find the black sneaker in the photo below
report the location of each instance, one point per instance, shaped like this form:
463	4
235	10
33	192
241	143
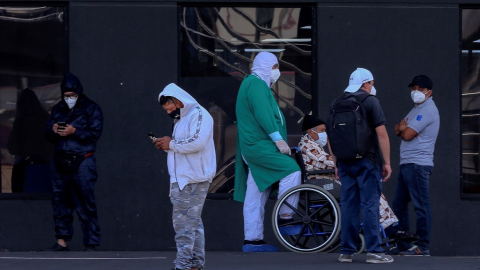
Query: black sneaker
392	251
89	248
415	251
57	247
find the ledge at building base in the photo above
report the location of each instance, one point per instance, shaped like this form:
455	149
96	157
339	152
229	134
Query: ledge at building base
217	261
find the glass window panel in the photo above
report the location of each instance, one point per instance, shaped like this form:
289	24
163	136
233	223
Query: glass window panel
33	57
218	45
470	101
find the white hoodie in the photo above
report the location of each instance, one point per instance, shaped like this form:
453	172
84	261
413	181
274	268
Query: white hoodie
191	158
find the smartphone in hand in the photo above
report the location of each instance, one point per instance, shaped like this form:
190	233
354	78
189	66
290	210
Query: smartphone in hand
151	136
61	125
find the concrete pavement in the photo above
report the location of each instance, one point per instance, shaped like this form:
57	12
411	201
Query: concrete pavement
151	260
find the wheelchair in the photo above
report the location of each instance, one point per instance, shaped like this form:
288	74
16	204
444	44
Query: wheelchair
315	224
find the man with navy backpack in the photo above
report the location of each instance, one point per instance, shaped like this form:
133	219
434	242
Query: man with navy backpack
359	145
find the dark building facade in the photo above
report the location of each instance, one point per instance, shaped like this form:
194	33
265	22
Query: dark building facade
125	52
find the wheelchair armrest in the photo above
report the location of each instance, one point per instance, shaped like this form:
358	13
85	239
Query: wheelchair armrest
320	172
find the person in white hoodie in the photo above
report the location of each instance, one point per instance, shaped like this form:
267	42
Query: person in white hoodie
192	166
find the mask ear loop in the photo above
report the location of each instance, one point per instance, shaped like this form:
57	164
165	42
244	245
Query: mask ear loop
424	94
173	101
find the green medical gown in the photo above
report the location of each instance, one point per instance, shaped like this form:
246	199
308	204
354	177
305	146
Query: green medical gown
258	115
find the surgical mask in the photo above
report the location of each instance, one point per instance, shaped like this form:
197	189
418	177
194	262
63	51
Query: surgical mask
417	96
274	75
374	91
175	114
71	101
322	138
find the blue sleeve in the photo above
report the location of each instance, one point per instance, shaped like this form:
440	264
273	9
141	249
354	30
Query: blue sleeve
94	128
275	136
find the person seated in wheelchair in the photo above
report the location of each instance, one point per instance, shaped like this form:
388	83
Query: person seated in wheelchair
315	158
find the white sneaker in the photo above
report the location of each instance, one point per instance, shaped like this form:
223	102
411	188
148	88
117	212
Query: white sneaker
345	258
379	258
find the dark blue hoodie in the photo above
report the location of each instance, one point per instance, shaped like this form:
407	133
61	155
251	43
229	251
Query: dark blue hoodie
86	117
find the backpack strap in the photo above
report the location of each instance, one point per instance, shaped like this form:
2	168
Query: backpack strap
341	97
360	98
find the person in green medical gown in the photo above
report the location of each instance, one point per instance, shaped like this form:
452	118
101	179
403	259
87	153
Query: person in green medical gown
262	152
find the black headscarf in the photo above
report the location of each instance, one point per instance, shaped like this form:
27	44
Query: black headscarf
310	121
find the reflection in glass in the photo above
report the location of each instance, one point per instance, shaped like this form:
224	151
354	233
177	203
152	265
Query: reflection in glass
28	144
31	70
218	45
470	101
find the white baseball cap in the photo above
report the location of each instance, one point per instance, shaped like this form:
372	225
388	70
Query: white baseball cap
359	77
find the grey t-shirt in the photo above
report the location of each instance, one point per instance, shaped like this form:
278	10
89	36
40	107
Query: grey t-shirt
425	120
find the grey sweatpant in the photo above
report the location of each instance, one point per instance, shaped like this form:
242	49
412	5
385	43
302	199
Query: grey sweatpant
187	223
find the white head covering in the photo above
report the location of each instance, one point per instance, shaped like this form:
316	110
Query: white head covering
173	90
359	77
262	65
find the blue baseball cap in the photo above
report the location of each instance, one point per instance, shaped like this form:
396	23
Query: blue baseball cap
422	81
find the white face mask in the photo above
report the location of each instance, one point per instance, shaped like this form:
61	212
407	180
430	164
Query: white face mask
274	75
322	138
417	96
71	101
373	91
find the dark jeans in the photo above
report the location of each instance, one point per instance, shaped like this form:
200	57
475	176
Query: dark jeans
76	191
412	186
361	189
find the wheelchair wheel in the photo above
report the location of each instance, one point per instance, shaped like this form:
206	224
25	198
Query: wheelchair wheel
334	246
315	224
361	244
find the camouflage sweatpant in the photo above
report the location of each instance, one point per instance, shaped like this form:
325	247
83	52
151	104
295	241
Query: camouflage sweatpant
187	223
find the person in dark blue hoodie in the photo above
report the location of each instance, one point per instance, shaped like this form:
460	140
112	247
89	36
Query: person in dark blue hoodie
74	127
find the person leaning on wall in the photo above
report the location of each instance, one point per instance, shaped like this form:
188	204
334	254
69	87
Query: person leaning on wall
74	127
418	130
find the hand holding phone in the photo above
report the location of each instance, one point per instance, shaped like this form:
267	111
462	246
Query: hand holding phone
61	125
151	136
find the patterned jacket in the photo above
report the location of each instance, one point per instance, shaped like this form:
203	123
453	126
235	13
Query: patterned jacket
315	158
